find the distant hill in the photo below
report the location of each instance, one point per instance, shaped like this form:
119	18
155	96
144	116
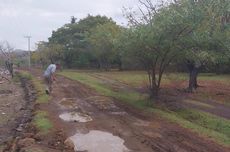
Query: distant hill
21	53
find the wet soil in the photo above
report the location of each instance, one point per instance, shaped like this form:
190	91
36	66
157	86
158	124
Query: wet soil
141	132
16	106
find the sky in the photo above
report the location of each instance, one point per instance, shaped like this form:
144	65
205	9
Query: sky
38	18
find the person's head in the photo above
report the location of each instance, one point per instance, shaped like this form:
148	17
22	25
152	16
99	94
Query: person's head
58	66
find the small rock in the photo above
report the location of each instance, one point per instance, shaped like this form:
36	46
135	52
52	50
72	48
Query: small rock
26	142
69	144
20	128
28	135
39	136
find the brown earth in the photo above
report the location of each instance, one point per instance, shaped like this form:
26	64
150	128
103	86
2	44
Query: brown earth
142	132
212	97
16	106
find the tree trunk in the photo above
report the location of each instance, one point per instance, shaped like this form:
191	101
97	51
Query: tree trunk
120	66
154	87
154	92
193	73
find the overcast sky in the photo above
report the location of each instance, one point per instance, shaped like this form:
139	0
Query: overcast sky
39	18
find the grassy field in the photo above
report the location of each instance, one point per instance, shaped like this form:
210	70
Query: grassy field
138	78
200	122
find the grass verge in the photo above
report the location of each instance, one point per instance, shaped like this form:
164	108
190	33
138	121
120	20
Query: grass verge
40	120
216	128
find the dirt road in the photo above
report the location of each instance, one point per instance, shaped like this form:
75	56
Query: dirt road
82	113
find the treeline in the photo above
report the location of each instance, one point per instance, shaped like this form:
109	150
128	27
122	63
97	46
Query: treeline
183	35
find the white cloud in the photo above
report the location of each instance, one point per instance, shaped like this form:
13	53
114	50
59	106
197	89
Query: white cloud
39	17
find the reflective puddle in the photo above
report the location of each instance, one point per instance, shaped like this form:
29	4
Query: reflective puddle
75	117
119	113
98	141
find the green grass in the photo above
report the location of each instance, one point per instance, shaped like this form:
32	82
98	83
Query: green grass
194	102
136	99
25	74
138	78
205	124
214	77
206	120
201	130
42	97
41	122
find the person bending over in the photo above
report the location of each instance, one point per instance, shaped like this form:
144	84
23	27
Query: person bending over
49	77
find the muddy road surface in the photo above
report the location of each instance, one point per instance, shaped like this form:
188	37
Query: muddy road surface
96	123
16	106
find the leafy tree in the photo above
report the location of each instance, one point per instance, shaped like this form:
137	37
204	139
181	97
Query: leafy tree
73	38
47	53
209	39
73	20
154	38
102	39
184	29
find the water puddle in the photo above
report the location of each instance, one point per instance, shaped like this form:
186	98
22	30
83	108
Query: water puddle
119	113
75	117
98	141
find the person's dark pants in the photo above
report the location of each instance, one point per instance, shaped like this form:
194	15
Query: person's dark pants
48	82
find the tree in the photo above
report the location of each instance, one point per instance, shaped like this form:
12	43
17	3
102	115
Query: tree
209	40
73	20
154	38
47	53
73	38
102	39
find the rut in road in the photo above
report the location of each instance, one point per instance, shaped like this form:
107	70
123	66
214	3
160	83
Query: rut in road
139	132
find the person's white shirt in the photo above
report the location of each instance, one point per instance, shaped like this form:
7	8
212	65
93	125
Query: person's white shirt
50	70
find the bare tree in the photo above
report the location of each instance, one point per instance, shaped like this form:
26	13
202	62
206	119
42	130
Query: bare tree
7	56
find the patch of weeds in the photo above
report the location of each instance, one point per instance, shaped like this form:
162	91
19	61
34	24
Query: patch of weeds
41	122
26	75
16	78
42	97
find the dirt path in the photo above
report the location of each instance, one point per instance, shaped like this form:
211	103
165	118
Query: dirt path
14	108
139	133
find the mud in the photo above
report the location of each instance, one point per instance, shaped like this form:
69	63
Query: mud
138	131
75	117
16	106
